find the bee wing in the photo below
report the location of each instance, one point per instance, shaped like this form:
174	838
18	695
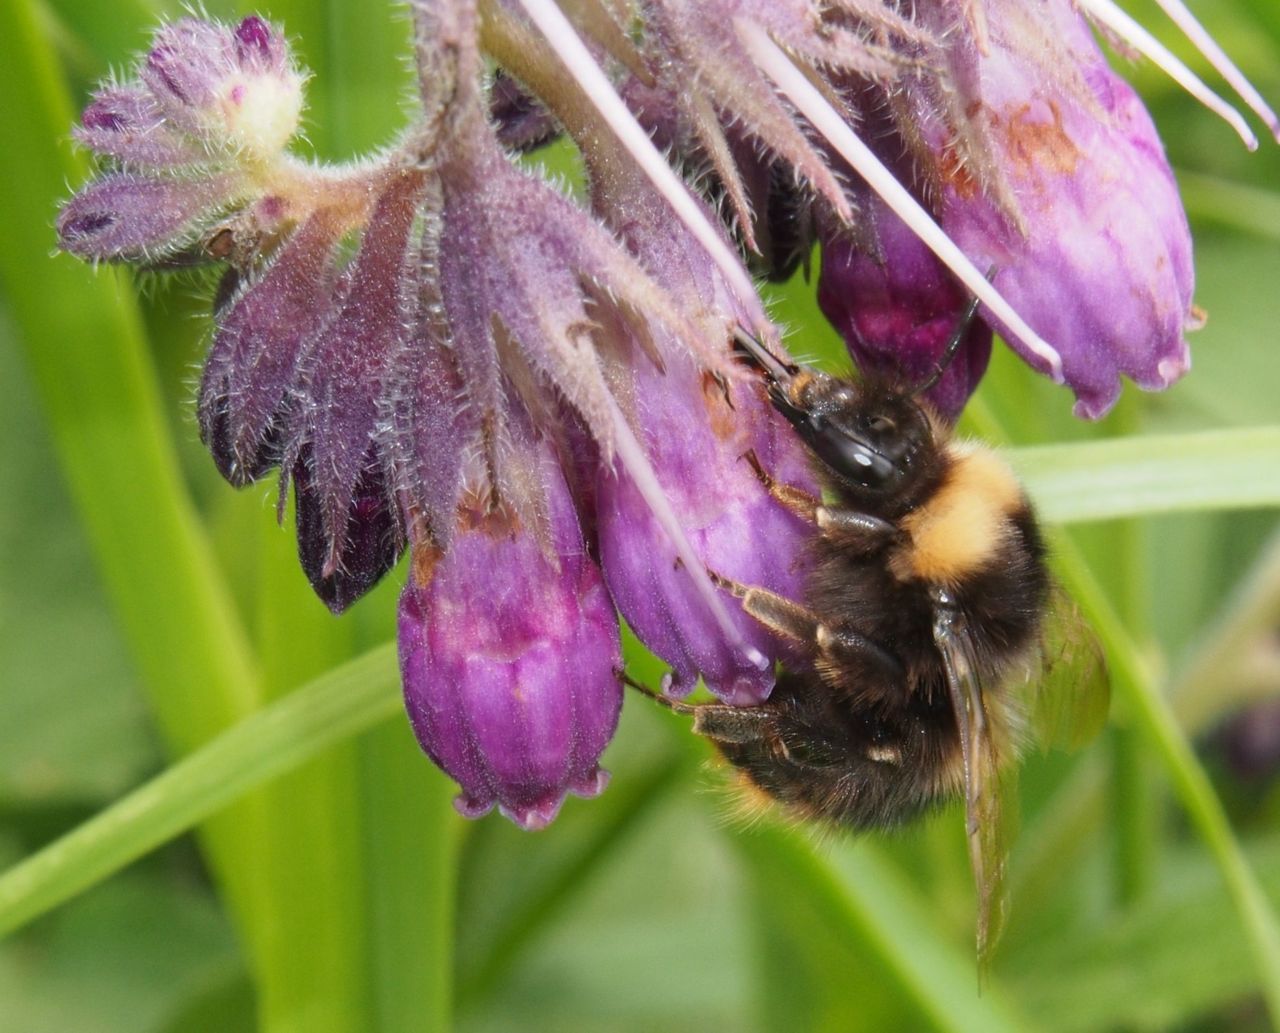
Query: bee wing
1071	695
986	786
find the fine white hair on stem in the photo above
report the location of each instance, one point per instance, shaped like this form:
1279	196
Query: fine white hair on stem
775	63
634	461
1181	16
1109	15
568	45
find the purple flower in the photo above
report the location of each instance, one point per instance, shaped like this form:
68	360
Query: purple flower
510	656
897	307
701	434
698	435
1046	167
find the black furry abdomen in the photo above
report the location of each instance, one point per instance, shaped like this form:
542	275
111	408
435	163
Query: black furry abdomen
863	743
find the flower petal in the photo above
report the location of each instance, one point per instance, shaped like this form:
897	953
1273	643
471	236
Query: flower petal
131	218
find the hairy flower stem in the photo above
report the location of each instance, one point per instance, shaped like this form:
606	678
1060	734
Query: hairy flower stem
565	41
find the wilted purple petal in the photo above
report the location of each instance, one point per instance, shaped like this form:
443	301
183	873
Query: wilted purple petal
125	123
347	367
253	363
509	659
131	218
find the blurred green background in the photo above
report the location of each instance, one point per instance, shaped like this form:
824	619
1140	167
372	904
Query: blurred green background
145	606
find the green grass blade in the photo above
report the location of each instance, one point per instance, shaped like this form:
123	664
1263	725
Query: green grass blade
87	354
1156	473
545	895
866	901
276	739
1152	714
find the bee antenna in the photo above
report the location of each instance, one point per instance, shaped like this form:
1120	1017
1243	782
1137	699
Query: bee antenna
953	345
754	351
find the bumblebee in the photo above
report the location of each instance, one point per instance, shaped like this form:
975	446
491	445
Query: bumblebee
923	625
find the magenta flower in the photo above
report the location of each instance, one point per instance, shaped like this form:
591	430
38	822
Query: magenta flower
510	657
897	307
1043	166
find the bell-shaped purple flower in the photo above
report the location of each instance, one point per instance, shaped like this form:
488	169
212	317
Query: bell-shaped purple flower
1047	168
701	436
510	655
897	307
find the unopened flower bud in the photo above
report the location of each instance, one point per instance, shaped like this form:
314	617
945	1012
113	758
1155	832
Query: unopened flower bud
126	217
230	88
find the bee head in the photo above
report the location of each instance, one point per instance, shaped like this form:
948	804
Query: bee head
874	441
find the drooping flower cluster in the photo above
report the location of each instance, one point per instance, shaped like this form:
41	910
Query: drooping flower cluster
439	350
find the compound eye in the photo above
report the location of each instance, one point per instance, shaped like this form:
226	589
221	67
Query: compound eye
852	459
882	424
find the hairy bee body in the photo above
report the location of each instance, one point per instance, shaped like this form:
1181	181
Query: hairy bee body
920	633
865	735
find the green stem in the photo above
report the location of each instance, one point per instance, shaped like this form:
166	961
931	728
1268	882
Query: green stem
276	739
89	361
1135	800
1152	714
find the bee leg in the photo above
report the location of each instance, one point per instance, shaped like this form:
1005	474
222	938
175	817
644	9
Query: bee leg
715	721
850	522
801	503
844	646
721	723
777	613
660	698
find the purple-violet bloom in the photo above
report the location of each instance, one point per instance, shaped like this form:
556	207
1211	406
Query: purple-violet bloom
510	656
1044	168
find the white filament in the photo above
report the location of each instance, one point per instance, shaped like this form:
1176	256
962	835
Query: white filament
568	45
637	465
1208	46
1129	30
770	58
